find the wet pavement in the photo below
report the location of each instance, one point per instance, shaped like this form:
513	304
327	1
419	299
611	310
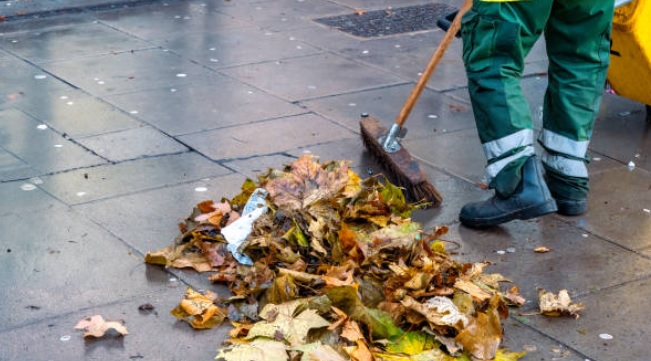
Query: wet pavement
115	122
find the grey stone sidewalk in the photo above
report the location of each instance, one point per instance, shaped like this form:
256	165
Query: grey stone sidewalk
115	123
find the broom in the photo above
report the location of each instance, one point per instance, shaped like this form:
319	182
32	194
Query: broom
399	165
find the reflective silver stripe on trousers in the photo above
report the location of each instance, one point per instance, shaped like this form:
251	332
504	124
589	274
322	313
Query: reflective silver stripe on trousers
494	168
498	147
566	166
562	144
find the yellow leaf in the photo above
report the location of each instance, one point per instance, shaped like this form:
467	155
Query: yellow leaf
412	343
509	356
354	185
541	249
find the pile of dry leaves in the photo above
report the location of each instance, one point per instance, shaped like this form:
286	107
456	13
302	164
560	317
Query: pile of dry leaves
338	272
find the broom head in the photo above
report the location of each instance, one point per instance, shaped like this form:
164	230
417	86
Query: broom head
400	167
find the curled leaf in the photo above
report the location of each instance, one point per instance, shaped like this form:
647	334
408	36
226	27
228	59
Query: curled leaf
199	310
558	305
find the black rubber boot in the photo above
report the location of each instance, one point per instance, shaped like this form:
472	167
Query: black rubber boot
531	199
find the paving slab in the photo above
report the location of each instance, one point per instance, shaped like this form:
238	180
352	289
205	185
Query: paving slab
614	312
351	149
385	4
70	41
170	19
253	167
622	132
232	47
156	335
280	15
407	54
36	9
311	76
41	273
519	336
91	184
24	197
616	207
132	143
27	84
199	107
257	101
432	114
79	115
265	138
41	147
130	71
12	167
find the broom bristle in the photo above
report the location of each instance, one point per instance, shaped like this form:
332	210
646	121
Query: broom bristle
400	167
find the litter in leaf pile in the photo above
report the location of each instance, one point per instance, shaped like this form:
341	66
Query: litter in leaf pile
339	272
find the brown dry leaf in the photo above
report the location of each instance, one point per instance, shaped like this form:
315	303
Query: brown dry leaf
192	260
351	331
206	206
199	310
558	305
239	329
307	182
472	289
179	257
96	326
214	252
514	296
280	321
541	249
360	12
359	352
483	335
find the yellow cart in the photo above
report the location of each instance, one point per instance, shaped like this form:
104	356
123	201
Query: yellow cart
630	62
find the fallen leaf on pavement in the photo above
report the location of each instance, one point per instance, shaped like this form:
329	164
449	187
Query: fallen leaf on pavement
558	305
96	326
541	249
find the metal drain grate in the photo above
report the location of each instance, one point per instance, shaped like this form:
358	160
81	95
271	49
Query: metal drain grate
390	21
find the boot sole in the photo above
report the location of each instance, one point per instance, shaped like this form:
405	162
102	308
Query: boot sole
522	214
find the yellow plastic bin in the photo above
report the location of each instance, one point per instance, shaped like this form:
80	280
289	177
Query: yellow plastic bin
630	61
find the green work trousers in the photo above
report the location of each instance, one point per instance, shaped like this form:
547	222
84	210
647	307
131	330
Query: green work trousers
497	36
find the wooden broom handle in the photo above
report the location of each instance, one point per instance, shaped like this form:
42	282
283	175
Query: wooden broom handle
433	63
